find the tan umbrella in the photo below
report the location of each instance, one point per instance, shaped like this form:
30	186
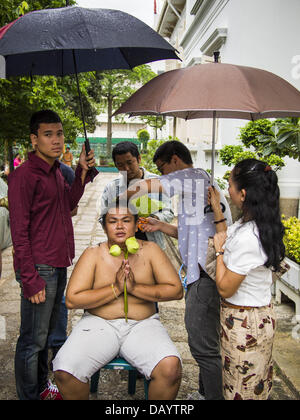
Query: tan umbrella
215	90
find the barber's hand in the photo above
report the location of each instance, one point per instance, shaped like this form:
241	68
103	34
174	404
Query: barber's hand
149	224
86	161
219	240
39	297
213	198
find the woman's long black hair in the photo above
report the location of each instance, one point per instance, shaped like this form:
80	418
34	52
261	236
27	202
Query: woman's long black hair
262	206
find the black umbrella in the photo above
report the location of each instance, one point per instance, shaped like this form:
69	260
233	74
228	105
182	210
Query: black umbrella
71	40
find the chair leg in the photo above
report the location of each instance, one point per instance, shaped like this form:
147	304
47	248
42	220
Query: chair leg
94	382
132	375
146	388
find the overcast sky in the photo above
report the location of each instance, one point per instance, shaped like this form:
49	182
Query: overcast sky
142	9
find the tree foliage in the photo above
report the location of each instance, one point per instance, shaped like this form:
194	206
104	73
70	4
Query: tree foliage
21	96
280	137
231	155
155	121
143	136
147	159
283	139
12	9
114	87
228	152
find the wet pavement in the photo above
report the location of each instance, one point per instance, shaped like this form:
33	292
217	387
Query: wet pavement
113	384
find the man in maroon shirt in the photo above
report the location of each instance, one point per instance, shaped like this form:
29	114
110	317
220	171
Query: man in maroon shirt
40	205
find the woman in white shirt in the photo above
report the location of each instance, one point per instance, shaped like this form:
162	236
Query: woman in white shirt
247	252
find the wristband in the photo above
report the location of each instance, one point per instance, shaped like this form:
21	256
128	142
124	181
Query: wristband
220	221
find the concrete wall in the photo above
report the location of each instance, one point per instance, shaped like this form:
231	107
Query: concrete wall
288	207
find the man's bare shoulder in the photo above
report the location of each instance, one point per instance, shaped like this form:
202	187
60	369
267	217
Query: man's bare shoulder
151	249
94	251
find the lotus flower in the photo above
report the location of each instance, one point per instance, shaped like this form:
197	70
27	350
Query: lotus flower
132	246
115	250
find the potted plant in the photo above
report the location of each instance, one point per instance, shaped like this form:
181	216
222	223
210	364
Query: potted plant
292	249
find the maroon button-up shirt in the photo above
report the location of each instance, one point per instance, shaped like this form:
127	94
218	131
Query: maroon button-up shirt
40	205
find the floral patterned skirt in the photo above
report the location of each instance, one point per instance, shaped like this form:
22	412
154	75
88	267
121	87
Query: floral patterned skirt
247	337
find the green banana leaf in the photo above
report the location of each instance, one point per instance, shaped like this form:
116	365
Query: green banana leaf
147	206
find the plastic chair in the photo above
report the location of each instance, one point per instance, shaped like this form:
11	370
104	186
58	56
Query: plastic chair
120	363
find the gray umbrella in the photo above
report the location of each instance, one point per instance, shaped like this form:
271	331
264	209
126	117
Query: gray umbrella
71	40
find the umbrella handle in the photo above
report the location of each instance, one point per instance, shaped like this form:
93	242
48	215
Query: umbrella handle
208	208
87	146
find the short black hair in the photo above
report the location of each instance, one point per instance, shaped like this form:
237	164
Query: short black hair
119	204
125	147
45	116
171	148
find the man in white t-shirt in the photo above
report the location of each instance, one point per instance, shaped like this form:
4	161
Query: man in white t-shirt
195	225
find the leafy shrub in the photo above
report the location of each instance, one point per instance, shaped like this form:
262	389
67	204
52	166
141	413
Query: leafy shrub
250	133
228	152
147	159
291	238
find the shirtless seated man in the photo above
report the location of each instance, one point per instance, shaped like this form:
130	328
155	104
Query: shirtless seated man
97	285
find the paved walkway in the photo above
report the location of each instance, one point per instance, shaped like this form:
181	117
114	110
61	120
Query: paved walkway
113	384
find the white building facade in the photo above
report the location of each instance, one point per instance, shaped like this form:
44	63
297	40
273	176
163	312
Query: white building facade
256	33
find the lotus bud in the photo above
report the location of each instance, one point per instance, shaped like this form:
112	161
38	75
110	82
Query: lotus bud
132	245
115	250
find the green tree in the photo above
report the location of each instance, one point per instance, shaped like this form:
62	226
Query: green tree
114	87
143	137
147	159
231	155
227	153
250	133
20	96
283	139
280	137
156	122
12	9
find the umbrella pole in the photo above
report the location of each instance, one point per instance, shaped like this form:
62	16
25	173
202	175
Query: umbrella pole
213	150
87	143
208	208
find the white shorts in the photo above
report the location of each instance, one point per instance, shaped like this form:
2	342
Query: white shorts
95	341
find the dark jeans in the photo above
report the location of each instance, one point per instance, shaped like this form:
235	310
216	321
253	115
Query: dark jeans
58	337
37	322
202	320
